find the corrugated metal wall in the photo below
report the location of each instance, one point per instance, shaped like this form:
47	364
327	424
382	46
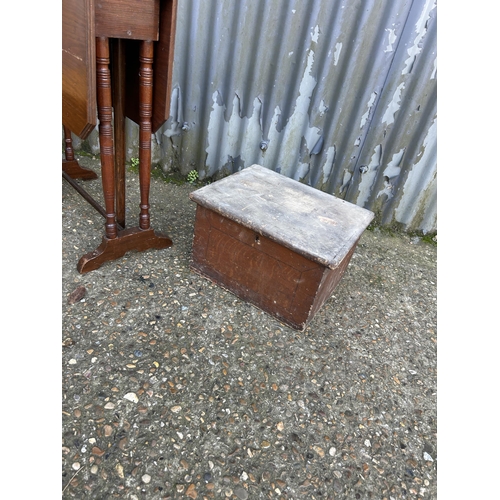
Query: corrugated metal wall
338	94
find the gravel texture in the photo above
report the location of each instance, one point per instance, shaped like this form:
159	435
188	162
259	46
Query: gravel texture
172	388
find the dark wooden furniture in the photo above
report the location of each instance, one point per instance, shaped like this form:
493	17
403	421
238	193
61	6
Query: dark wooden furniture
275	242
70	166
117	63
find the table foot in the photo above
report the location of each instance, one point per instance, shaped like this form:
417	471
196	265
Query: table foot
75	171
132	239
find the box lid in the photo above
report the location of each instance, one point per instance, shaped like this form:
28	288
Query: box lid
306	220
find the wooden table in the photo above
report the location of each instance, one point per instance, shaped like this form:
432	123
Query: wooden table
116	62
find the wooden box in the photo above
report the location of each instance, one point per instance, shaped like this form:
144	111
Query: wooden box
274	242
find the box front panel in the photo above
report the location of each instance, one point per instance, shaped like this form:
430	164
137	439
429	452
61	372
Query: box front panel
276	280
246	267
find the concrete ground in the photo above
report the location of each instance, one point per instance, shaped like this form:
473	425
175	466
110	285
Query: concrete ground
173	388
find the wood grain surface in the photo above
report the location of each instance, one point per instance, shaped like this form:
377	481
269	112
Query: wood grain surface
312	223
79	109
127	19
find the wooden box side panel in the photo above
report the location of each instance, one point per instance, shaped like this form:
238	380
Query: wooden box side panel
254	268
302	308
330	281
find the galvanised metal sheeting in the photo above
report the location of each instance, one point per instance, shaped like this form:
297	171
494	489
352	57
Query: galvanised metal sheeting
338	94
395	172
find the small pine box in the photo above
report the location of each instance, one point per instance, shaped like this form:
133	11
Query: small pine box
274	242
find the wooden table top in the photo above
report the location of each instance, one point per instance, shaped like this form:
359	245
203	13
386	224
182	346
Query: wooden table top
82	22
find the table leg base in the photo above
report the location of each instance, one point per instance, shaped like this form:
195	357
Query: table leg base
75	171
132	239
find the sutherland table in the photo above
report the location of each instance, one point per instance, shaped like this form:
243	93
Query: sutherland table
117	58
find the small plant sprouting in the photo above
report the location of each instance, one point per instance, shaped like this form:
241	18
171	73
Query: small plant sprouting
192	176
134	163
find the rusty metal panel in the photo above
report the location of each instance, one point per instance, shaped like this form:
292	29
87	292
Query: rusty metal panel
339	95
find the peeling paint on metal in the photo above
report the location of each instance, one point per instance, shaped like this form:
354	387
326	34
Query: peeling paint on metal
434	71
420	30
315	34
393	106
231	143
369	106
336	55
294	129
346	180
216	116
392	171
388	189
391	39
393	168
420	179
316	149
175	125
369	173
329	162
323	108
301	171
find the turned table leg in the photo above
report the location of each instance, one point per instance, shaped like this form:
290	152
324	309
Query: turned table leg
105	115
145	114
70	166
116	242
119	84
